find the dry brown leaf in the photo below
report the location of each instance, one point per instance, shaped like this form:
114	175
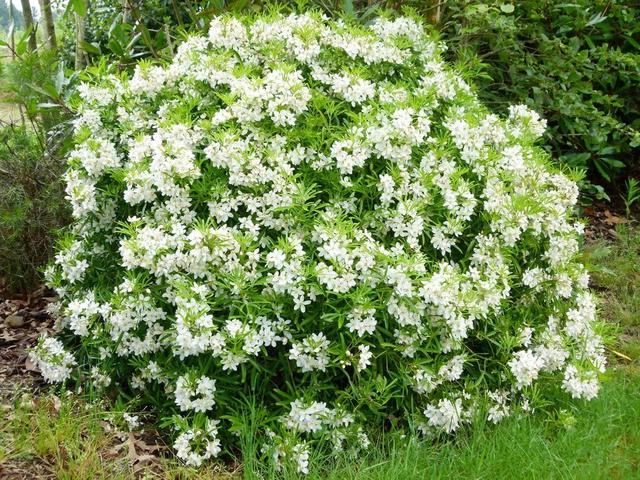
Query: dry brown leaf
57	404
612	219
8	337
138	451
30	365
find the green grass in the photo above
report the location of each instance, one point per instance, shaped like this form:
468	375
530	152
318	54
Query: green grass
70	442
67	439
615	275
604	443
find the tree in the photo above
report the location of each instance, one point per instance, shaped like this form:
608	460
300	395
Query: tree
28	23
48	24
4	15
12	14
80	60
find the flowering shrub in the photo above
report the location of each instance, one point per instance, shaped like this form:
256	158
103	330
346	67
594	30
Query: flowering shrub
321	220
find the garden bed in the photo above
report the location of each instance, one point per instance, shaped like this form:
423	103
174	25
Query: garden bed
48	434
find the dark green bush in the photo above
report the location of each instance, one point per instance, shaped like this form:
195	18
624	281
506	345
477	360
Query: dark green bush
32	206
577	63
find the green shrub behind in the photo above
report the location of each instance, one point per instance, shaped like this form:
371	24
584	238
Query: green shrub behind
576	63
31	206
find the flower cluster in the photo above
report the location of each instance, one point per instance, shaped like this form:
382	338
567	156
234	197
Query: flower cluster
198	444
55	363
320	218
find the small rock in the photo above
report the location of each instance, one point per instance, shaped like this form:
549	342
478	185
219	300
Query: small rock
14	321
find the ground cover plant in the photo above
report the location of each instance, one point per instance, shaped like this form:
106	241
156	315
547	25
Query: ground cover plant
318	221
60	438
45	435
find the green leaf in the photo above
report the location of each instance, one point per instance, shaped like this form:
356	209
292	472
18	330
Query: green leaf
76	6
237	5
348	8
507	8
115	47
613	162
90	48
576	159
46	89
25	37
635	44
602	171
608	150
596	19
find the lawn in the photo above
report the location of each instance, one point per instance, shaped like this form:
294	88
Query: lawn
45	436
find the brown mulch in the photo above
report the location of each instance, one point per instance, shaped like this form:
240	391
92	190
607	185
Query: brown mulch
27	469
602	221
22	321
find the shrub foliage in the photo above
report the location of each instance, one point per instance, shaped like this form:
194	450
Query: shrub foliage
575	62
31	206
320	220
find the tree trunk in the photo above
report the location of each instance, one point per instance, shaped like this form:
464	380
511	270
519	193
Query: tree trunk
28	23
80	26
47	22
435	14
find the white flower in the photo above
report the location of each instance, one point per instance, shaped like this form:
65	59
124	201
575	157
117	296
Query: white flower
499	409
425	382
53	361
362	321
525	366
301	457
307	418
580	384
203	389
197	445
95	156
80	313
71	262
445	415
132	421
526	119
311	353
276	259
453	369
364	357
525	336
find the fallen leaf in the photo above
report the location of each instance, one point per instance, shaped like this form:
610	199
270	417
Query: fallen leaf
30	365
14	321
56	403
614	219
135	450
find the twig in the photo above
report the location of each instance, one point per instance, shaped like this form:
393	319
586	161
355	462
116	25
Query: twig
621	355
